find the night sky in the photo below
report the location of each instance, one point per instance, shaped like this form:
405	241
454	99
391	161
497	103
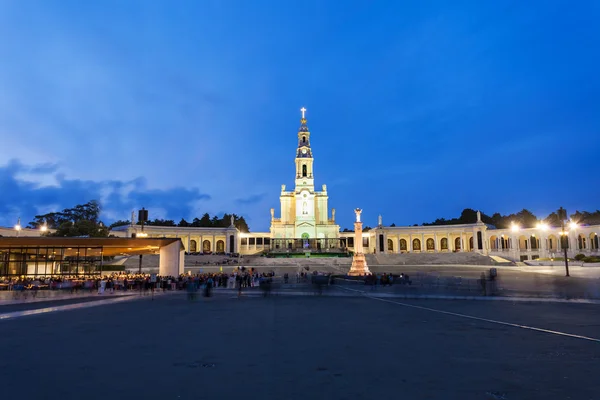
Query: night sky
416	109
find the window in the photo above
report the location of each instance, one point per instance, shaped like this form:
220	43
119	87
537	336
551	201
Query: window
303	169
267	241
244	241
252	241
259	241
350	242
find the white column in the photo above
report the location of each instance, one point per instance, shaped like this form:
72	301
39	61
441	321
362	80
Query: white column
410	243
214	244
462	242
188	244
449	249
227	249
423	247
436	245
398	247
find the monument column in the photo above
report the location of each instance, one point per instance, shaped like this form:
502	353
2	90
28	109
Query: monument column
435	242
359	263
423	246
449	249
410	243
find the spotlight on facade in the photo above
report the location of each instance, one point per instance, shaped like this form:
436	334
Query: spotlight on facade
44	227
141	235
542	226
514	227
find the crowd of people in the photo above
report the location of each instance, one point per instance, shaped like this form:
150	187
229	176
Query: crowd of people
242	278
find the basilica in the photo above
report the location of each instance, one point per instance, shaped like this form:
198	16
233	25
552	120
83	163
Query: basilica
306	224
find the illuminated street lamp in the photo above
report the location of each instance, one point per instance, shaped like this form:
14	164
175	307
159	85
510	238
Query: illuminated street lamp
514	227
564	235
44	228
18	227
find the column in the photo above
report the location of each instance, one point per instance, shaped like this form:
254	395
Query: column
200	247
449	250
462	241
227	247
398	247
410	243
423	247
214	244
436	245
188	244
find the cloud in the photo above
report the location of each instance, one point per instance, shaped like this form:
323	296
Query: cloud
255	198
25	198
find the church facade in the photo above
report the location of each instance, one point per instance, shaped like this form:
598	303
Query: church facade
305	223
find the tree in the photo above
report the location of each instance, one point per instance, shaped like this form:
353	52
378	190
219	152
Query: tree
205	221
241	224
393	225
183	223
81	220
161	222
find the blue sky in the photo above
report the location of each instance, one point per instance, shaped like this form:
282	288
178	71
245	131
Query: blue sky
417	109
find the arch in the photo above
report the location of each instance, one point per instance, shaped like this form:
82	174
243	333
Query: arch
416	245
534	242
390	245
523	245
594	241
457	244
444	244
220	246
552	243
304	139
193	246
581	241
305	236
430	244
304	170
470	243
403	245
206	246
494	244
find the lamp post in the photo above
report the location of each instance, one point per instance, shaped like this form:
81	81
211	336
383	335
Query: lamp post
18	227
564	237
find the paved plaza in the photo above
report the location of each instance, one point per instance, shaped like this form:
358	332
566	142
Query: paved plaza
303	347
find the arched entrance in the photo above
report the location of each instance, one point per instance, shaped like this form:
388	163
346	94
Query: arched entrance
305	237
444	243
206	246
193	246
390	245
494	243
220	246
457	244
470	244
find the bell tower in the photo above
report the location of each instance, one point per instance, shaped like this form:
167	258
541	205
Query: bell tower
304	158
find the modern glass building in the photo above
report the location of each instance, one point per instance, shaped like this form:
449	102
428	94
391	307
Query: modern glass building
47	256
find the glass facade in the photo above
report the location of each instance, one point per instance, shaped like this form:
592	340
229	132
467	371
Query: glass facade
46	261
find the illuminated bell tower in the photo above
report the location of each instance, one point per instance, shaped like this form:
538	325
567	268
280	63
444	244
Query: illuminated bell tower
304	158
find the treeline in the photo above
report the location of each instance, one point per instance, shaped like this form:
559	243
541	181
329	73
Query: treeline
524	218
81	220
84	220
205	222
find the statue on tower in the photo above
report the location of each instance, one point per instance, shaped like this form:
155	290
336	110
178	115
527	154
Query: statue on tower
232	220
478	216
379	221
357	212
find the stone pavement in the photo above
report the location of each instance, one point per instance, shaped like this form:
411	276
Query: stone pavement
309	347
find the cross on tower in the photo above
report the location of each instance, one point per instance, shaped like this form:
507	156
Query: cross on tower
303	111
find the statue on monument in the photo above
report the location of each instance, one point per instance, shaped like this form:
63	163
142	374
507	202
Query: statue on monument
379	221
357	212
232	220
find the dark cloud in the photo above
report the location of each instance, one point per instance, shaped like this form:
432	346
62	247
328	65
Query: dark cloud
255	198
25	199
